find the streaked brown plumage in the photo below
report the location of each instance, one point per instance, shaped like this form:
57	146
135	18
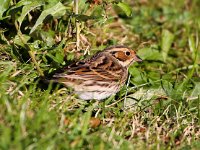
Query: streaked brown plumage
100	76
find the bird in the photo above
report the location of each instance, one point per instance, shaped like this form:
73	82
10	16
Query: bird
99	76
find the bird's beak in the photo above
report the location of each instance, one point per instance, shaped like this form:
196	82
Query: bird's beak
137	58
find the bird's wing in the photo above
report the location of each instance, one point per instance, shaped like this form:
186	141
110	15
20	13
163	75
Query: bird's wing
100	67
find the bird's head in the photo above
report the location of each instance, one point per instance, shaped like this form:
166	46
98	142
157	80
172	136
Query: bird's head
124	55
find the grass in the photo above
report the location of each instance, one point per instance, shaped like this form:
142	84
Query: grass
159	108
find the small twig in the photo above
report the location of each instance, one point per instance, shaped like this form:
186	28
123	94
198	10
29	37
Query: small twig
184	68
107	106
127	90
142	85
32	55
77	26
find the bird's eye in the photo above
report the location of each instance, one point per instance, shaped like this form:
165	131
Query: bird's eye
127	53
113	53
